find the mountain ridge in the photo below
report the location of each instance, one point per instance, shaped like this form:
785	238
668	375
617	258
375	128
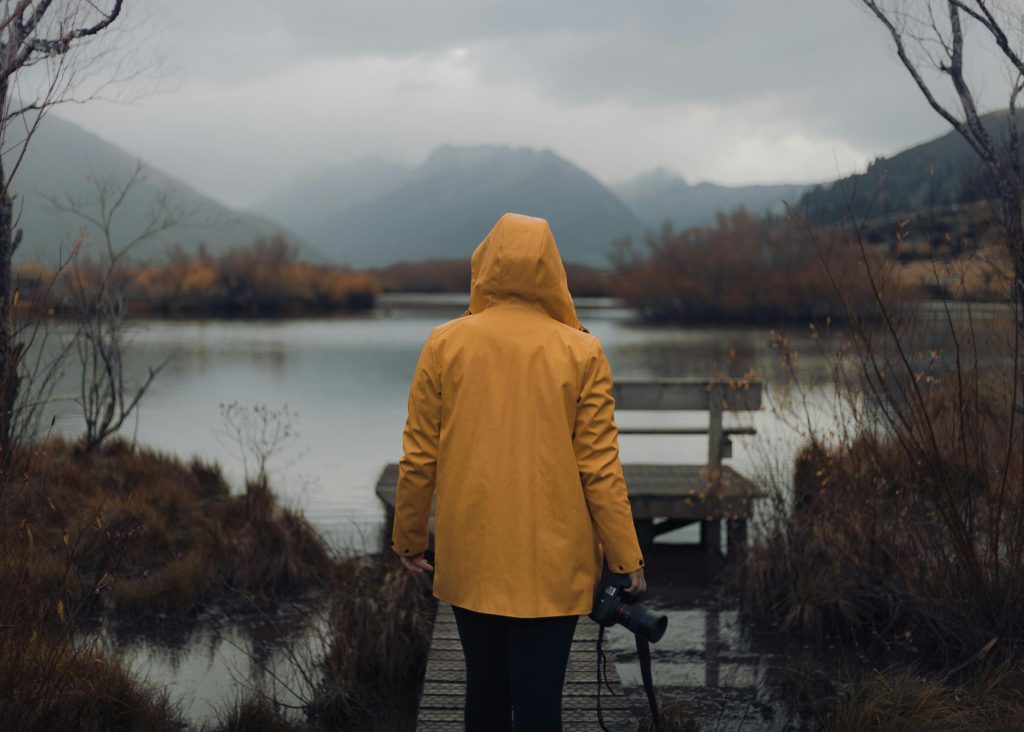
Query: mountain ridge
61	160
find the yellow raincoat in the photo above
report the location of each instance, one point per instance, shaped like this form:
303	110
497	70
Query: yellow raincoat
511	422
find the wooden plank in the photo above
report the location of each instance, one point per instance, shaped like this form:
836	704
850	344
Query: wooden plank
686	394
683	430
442	701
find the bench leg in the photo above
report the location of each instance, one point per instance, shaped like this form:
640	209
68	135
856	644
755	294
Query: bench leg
736	538
711	535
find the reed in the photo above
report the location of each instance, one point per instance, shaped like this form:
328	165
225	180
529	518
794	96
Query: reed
380	619
900	530
893	700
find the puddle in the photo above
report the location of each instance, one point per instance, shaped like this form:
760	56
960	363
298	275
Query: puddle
209	663
730	676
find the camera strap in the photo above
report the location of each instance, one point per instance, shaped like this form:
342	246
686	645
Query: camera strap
643	650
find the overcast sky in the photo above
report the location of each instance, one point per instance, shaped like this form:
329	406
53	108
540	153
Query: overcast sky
734	91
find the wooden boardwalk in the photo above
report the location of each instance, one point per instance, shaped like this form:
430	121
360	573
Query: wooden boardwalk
443	699
662	498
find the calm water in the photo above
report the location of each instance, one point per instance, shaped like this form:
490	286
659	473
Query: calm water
346	379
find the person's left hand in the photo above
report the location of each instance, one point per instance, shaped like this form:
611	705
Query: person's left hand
417	564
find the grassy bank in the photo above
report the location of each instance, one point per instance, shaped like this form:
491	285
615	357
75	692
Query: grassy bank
136	533
899	533
132	536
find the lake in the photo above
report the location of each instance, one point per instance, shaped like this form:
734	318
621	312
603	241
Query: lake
346	379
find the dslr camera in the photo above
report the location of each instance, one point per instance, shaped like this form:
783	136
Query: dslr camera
612	604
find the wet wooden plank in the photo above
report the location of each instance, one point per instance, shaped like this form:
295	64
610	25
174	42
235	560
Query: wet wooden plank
442	701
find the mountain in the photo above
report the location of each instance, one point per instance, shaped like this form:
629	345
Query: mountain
310	202
60	161
905	182
662	194
445	206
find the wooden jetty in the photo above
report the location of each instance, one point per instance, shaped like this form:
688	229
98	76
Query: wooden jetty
662	498
443	699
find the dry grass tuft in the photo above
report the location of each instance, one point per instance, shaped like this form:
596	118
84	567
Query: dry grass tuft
380	622
993	701
170	535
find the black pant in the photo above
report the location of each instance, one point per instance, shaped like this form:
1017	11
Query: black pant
515	668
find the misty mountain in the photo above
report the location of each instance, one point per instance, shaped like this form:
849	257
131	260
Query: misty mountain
376	214
309	203
60	160
904	183
662	194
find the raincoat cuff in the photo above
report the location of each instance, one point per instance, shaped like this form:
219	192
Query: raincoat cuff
406	549
625	564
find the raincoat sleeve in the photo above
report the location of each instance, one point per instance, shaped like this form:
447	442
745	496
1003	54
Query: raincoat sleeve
418	465
595	440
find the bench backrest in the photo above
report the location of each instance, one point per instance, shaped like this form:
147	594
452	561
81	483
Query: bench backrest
688	394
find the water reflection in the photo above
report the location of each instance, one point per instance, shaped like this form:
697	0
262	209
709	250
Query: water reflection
207	664
728	674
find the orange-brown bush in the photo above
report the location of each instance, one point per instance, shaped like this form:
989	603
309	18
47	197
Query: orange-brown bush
263	279
743	268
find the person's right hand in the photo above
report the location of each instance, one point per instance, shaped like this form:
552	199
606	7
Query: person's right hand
637	583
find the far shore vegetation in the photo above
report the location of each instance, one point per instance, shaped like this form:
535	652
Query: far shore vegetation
743	268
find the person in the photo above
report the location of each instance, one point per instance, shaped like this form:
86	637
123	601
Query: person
511	430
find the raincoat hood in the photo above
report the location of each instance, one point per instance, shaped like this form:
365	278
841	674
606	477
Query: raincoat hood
518	260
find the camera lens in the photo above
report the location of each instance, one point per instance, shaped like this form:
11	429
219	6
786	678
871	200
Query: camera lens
643	621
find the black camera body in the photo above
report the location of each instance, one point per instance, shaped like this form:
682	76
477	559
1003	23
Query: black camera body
612	604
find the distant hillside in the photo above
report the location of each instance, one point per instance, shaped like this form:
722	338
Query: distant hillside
902	184
61	156
444	207
662	194
309	204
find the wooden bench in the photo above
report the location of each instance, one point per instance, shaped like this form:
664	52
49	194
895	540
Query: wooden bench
677	495
685	494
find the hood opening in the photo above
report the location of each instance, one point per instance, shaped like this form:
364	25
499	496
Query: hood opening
518	260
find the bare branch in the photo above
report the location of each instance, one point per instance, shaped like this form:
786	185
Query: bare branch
901	51
63	43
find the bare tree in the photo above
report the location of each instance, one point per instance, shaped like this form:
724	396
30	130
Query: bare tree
929	36
99	288
42	37
259	434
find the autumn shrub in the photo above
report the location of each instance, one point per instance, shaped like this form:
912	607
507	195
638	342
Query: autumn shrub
265	278
742	268
901	527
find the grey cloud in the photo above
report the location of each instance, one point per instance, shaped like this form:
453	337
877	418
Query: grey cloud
825	64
